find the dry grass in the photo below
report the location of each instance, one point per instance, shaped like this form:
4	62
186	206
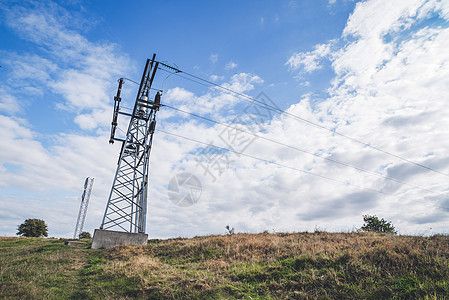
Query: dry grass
249	266
297	265
269	247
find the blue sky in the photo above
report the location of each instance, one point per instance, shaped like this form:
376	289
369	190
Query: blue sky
372	70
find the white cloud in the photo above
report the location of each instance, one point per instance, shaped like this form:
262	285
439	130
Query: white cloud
375	18
243	82
27	75
308	62
98	117
230	65
8	103
29	68
216	78
390	90
73	67
41	175
46	181
213	58
216	103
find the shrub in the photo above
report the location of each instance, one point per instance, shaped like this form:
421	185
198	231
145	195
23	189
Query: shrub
372	223
84	235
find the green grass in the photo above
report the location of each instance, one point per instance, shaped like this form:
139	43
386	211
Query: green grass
242	266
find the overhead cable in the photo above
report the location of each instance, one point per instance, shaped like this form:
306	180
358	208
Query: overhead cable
301	150
296	169
311	123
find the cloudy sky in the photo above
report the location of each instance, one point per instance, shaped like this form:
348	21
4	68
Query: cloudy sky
364	86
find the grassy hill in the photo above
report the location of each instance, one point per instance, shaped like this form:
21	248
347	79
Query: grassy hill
250	266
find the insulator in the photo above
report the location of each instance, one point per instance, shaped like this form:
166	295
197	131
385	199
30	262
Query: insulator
145	97
153	126
157	99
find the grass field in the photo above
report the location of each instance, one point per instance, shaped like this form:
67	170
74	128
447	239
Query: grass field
243	266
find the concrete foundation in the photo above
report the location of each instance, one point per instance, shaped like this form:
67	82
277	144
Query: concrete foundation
108	238
77	244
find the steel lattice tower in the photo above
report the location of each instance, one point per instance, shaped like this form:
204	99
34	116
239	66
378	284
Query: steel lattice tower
83	206
127	205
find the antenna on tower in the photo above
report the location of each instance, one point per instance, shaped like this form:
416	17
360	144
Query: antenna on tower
83	206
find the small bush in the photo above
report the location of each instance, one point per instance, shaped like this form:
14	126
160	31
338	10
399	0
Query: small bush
84	235
372	223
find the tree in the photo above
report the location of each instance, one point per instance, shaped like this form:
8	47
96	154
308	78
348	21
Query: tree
84	235
32	228
372	223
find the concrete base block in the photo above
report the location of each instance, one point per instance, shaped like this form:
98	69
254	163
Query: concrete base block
108	238
75	244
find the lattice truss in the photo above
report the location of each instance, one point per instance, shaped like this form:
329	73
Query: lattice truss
88	183
127	205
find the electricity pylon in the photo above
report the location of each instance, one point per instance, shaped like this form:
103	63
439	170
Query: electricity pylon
83	207
127	205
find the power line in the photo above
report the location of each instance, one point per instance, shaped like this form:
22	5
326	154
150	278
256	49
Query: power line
301	150
179	74
273	108
133	81
296	169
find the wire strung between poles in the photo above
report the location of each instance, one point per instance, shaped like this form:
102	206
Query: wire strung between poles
273	108
297	169
304	151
